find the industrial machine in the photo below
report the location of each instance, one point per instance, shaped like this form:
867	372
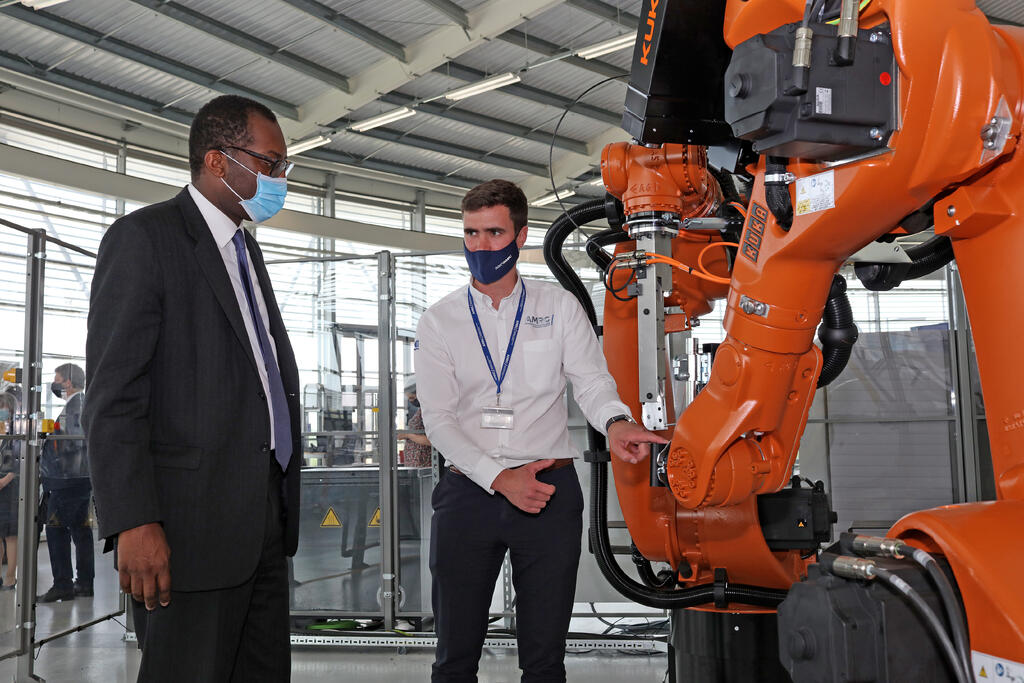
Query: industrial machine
775	140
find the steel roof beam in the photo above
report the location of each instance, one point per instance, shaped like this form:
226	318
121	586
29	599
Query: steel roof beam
466	73
607	12
86	36
486	122
547	49
333	156
487	20
338	20
67	80
460	151
450	10
568	166
77	84
245	41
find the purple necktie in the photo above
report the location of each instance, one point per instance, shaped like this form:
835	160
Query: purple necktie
282	426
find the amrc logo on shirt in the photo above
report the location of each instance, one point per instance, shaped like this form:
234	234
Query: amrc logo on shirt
540	320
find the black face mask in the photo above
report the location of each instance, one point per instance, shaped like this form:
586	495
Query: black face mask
415	402
58	389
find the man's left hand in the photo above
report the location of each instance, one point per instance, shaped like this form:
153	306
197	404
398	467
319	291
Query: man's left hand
629	441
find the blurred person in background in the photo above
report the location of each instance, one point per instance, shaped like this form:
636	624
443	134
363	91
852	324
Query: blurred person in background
64	473
417	445
10	464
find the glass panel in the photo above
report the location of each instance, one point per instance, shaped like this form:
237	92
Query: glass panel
13	247
892	375
69	554
37	142
882	471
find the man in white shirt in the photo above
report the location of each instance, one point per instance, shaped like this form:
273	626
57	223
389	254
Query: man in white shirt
492	360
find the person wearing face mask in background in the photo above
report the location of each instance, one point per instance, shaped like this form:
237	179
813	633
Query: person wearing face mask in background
417	451
492	359
193	411
10	466
64	474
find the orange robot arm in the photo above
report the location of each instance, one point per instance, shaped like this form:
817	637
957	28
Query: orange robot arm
958	89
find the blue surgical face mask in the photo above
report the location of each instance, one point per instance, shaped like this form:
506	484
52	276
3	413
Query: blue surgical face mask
269	197
491	266
5	415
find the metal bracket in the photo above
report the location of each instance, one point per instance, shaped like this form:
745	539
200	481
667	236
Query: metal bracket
880	252
996	132
653	414
786	178
753	306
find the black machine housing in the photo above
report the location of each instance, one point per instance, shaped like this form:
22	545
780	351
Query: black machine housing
833	630
846	110
676	81
796	518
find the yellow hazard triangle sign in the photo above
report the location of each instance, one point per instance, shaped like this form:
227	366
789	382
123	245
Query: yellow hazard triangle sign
982	673
330	519
375	520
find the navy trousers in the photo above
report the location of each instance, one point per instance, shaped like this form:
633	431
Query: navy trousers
470	532
67	521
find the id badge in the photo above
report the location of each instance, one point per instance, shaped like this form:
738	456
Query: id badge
496	417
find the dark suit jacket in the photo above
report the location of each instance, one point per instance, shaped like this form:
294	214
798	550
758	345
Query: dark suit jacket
176	420
65	463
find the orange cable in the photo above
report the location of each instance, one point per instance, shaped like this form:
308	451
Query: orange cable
739	207
700	259
702	274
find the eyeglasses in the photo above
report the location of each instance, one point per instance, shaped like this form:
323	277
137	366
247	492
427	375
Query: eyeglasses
278	167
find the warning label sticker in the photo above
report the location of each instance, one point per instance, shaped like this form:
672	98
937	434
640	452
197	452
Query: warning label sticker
375	520
330	519
815	193
989	668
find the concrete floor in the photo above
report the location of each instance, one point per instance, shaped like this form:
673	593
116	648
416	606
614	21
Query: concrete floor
100	654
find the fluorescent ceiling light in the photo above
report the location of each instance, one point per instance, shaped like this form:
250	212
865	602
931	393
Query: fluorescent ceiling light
492	83
596	181
548	198
380	120
40	4
307	144
607	46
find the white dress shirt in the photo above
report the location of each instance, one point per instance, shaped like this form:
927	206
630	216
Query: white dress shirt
223	229
454	384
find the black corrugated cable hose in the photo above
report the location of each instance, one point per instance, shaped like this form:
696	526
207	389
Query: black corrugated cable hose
563	226
925	258
600	545
837	332
597	241
776	193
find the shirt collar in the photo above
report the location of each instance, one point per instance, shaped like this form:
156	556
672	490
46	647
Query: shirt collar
222	227
484	301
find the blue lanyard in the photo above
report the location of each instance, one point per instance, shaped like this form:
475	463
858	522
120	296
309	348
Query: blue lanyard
511	342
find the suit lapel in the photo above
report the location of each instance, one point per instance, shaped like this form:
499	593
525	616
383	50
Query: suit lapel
212	265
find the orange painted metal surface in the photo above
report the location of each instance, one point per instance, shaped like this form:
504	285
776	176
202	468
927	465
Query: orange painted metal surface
981	542
739	437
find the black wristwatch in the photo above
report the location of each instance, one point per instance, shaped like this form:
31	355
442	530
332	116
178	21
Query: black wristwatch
618	418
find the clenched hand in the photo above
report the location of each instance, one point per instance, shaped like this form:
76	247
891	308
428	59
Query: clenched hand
522	489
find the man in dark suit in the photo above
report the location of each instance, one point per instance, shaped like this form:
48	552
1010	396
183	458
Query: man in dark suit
193	417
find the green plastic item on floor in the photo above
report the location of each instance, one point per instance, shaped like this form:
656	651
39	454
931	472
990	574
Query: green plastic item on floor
335	625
